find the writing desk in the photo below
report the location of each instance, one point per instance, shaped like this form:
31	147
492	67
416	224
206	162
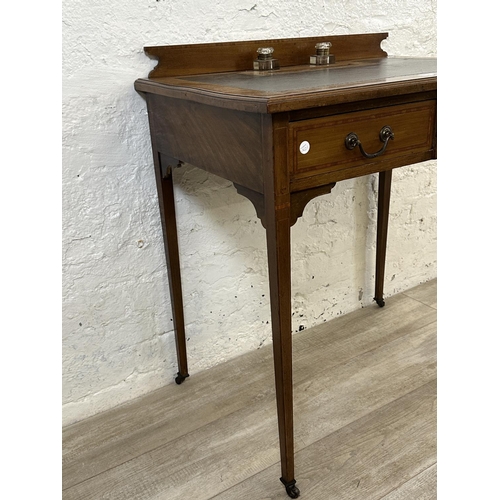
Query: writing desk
284	136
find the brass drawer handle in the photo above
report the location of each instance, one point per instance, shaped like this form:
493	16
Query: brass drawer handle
385	134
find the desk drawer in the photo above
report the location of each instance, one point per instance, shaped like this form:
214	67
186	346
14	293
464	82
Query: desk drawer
317	146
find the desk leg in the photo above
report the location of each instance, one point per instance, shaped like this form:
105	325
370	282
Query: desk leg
164	184
384	198
278	249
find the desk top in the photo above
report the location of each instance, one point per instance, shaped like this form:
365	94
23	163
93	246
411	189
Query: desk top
302	79
363	75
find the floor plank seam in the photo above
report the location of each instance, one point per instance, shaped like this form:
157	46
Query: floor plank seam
271	465
407	481
420	302
269	400
407	292
335	431
364	353
374	410
148	451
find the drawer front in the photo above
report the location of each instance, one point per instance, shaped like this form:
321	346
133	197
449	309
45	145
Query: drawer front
318	145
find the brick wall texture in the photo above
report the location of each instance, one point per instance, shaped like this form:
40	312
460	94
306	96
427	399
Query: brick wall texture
117	328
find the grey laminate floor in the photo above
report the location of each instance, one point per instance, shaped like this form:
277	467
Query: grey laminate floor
365	420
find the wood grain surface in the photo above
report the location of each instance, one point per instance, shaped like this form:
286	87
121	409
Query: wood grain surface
219	57
224	142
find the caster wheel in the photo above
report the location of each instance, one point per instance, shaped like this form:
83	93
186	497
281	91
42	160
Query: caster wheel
380	302
291	490
180	378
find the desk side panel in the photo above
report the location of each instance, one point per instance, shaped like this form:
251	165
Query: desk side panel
224	142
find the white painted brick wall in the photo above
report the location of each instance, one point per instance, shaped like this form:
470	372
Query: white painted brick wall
117	328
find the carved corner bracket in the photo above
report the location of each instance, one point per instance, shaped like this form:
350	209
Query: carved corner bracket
168	164
298	200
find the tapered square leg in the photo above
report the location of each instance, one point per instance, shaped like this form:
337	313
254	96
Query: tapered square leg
278	248
164	184
277	221
384	198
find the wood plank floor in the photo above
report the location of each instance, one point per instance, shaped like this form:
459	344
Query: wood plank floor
365	420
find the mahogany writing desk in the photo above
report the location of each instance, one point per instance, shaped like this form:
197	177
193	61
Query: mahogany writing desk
284	127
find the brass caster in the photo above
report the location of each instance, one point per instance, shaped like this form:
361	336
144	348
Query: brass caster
291	490
180	378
